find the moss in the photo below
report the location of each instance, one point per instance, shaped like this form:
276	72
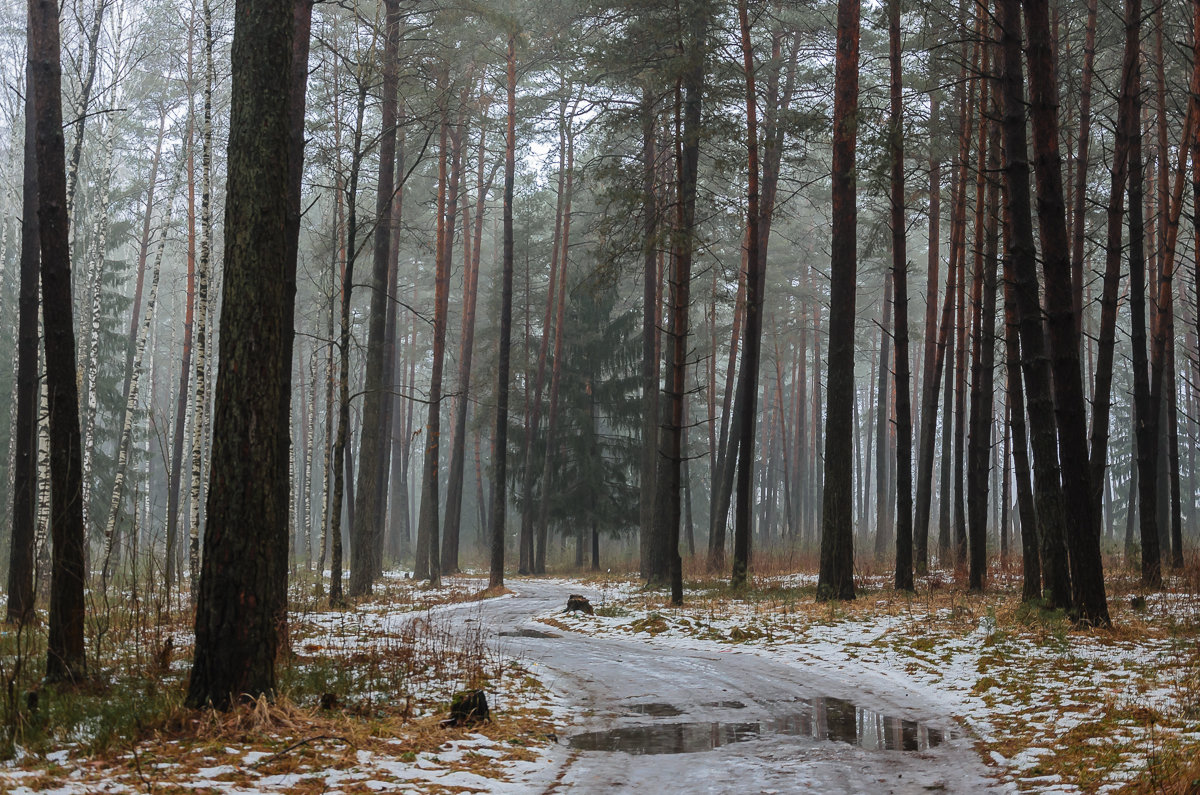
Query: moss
652	624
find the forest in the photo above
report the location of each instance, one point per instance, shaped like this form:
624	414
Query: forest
854	335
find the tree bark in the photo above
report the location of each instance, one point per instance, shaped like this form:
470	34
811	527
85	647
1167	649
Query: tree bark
185	370
562	242
365	560
341	458
200	411
836	576
1081	169
534	409
1145	417
883	519
1087	567
983	371
671	449
454	491
65	659
1126	130
237	611
428	549
755	278
649	362
723	475
500	463
92	46
932	365
1036	365
1030	545
24	522
904	493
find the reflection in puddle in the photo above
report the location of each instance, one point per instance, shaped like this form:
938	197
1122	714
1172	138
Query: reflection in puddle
528	633
656	710
819	718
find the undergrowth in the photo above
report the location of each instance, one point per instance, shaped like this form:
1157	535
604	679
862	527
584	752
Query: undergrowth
380	668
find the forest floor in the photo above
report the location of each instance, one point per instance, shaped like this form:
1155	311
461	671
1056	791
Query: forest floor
1046	706
363	695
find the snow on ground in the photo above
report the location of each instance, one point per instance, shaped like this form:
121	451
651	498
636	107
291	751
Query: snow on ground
1053	708
392	644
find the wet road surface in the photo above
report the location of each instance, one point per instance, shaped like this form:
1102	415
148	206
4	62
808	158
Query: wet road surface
650	717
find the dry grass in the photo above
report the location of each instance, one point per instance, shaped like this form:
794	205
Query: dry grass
368	679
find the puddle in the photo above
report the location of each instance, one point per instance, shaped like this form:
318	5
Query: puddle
724	704
528	633
656	710
819	718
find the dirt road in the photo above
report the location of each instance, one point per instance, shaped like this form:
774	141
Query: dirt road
656	718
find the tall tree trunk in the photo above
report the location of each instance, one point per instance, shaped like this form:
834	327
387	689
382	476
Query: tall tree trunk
454	491
301	37
65	654
200	399
1145	418
330	411
1162	351
95	277
1126	130
83	106
534	407
310	441
393	376
1036	365
365	548
729	439
777	102
341	457
1081	169
237	610
185	370
946	486
883	519
836	577
500	463
983	370
543	517
1002	464
977	423
755	279
904	493
932	362
1172	410
1087	567
953	407
428	549
649	362
958	539
693	49
301	27
1015	398
24	517
784	436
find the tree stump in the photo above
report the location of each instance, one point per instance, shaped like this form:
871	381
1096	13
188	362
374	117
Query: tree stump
575	602
468	707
